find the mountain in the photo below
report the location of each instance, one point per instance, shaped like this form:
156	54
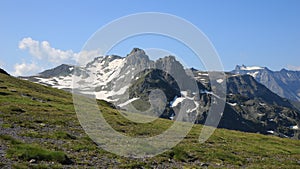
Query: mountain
110	76
160	88
59	77
285	83
39	129
62	70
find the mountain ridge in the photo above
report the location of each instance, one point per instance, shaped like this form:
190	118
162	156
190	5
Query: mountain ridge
119	80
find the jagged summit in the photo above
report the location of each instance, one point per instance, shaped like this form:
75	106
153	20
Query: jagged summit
137	56
108	58
61	70
249	68
137	51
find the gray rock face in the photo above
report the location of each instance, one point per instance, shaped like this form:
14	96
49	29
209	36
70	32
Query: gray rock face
285	83
61	70
139	59
172	66
152	80
252	107
257	105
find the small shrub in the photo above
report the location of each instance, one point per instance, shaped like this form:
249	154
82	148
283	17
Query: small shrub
63	135
10	139
28	152
179	154
7	125
17	109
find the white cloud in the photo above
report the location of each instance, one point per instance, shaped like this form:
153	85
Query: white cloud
83	57
24	69
43	50
33	47
291	67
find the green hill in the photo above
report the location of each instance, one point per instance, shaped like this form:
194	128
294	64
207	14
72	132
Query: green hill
39	129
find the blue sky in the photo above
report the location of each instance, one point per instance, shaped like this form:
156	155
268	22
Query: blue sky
265	33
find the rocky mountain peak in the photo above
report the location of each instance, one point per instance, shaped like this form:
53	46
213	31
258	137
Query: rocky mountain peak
107	59
139	59
170	64
137	51
249	68
283	70
61	70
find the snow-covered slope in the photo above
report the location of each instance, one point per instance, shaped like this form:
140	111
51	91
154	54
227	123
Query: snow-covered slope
59	77
243	67
108	77
105	76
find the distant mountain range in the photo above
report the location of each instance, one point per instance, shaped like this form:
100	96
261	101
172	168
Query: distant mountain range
128	82
285	83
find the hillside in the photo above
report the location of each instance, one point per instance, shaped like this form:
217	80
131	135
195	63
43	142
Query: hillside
39	129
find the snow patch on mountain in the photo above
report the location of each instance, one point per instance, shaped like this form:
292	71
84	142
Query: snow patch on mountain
251	67
127	102
294	127
177	101
253	74
232	104
106	71
220	80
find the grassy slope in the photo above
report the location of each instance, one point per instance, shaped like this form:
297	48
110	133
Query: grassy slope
38	122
